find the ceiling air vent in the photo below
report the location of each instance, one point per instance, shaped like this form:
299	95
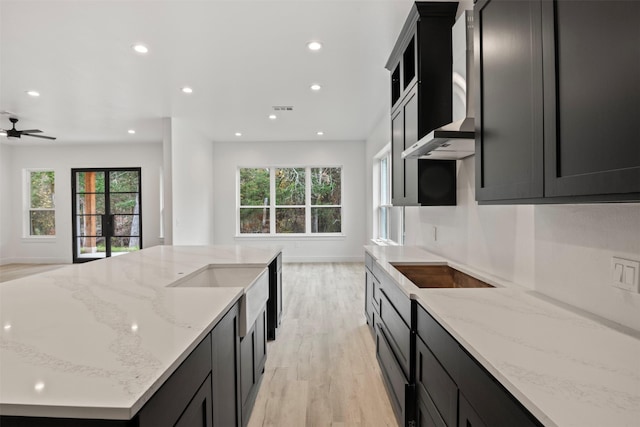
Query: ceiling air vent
283	108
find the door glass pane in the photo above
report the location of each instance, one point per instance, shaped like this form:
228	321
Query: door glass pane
126	225
91	247
89	225
290	187
254	220
123	181
254	187
290	220
326	220
90	203
122	245
326	186
124	203
90	182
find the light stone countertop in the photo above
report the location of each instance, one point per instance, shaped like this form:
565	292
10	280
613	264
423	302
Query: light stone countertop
96	340
567	367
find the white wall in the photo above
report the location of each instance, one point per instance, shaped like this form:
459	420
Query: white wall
191	188
6	156
61	159
563	251
228	156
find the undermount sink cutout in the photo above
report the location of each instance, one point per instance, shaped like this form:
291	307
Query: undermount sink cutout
254	280
438	276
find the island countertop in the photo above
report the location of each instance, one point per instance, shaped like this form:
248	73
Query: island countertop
96	340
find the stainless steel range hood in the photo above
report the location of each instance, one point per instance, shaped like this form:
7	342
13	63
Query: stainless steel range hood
455	140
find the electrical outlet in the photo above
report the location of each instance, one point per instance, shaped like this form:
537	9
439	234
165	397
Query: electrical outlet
625	274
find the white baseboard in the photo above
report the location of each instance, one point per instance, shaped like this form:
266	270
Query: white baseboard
316	259
32	260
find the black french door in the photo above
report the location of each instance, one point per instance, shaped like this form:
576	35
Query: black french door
107	212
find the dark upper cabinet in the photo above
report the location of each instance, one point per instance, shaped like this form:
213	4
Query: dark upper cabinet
509	141
592	83
421	91
559	101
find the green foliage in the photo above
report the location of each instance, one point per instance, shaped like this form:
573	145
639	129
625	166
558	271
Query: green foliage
290	186
254	187
326	186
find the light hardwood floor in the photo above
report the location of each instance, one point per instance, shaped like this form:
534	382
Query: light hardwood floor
322	369
16	271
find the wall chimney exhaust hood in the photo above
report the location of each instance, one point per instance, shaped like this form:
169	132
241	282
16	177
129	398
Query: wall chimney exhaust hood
455	140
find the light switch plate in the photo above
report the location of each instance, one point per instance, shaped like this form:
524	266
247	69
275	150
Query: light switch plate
625	274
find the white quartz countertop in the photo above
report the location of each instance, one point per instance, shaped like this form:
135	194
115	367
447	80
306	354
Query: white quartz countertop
565	366
96	340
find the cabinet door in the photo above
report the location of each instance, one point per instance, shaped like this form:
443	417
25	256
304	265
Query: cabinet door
397	169
247	366
509	99
225	343
198	412
592	97
368	297
467	417
260	346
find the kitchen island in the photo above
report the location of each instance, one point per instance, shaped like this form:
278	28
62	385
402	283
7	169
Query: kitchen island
98	340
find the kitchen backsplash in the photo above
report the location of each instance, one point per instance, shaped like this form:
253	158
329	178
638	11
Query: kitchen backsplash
563	251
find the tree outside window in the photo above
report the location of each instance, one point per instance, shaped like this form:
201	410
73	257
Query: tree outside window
292	200
41	212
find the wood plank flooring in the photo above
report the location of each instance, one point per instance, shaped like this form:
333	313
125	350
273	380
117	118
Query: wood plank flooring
16	271
322	369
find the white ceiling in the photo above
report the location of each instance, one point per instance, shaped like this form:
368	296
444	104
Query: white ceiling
240	57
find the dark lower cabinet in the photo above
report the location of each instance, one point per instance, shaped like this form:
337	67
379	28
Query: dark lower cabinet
198	412
175	396
454	389
274	304
253	354
467	416
225	350
557	101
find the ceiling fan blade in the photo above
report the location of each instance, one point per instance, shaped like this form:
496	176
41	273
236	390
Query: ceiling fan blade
39	136
30	131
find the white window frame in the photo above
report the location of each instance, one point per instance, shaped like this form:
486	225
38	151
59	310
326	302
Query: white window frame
27	209
307	206
381	228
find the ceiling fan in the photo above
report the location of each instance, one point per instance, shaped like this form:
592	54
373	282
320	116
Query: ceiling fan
15	133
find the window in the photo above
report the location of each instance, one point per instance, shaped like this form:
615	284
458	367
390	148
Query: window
40	201
388	228
292	200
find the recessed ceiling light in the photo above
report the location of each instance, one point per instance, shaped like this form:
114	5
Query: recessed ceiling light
273	116
238	134
140	48
316	87
33	93
319	133
314	45
187	89
131	131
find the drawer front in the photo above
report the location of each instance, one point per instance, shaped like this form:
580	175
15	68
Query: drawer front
426	413
400	301
433	380
375	300
392	372
368	261
443	346
167	404
398	333
490	400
